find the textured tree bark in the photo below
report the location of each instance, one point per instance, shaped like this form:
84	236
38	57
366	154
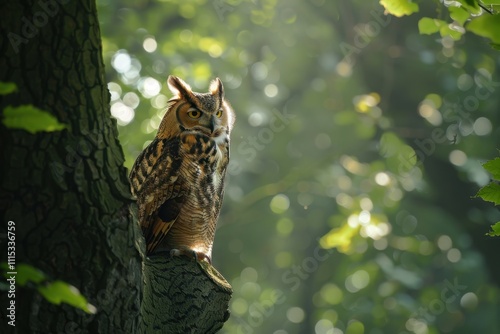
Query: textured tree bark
183	296
66	191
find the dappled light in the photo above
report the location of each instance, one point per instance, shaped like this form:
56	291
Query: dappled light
357	148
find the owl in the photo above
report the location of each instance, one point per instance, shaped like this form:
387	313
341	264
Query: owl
178	179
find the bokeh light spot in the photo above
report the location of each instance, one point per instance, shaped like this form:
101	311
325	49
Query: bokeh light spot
444	242
454	255
259	71
458	158
284	226
464	82
332	294
159	101
131	99
121	61
239	306
357	281
115	90
382	179
295	314
355	327
482	126
249	274
469	301
149	44
255	119
323	326
271	90
280	203
123	113
366	204
149	87
344	200
344	69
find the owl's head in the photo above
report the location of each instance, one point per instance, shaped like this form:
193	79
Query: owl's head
207	113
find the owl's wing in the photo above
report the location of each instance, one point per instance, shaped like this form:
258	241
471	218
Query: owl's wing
158	186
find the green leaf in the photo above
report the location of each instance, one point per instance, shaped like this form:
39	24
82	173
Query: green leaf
490	2
59	292
486	26
459	14
427	26
446	30
490	193
31	119
470	5
340	238
7	88
493	167
26	273
495	230
399	7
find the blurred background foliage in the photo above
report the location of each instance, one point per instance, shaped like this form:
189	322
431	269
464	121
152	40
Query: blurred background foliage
357	148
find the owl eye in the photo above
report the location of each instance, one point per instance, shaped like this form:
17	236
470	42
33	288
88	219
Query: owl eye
193	113
219	113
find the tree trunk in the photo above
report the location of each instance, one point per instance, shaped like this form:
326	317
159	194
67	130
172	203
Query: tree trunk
68	194
183	296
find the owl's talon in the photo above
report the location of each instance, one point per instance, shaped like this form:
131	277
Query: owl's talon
197	256
202	256
175	252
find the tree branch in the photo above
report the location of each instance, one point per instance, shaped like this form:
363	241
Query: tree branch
183	296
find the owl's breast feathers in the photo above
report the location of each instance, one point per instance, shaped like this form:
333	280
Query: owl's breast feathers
178	183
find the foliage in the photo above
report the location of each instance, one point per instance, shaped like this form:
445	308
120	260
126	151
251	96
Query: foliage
400	7
56	292
27	117
480	20
491	191
495	230
482	25
486	26
7	88
31	119
356	149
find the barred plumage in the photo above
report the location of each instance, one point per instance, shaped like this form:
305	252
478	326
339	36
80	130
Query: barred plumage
179	177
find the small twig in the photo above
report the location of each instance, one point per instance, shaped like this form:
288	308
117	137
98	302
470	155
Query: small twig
486	9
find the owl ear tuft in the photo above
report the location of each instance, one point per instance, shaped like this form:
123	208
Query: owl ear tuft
216	88
178	87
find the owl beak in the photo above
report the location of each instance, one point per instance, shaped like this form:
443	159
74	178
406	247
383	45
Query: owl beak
211	124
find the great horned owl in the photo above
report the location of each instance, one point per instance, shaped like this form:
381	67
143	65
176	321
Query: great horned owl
179	178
